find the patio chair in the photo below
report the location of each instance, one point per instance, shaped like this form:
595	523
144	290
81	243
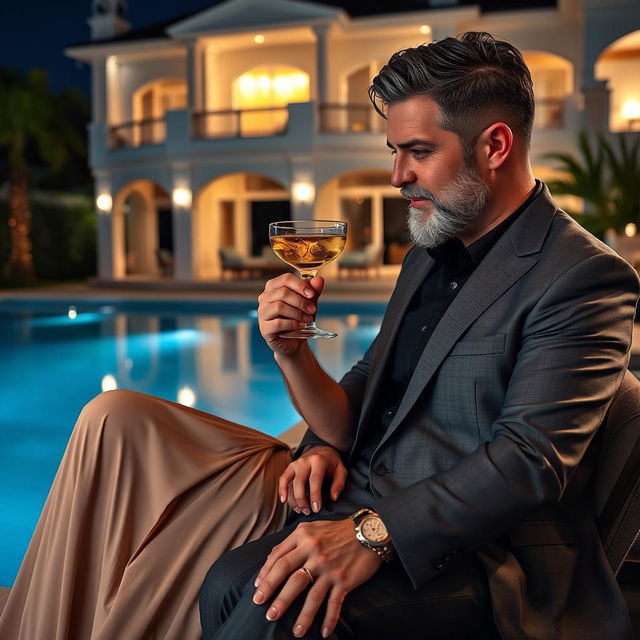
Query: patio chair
616	479
361	260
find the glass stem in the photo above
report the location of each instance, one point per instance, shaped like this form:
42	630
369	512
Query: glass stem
306	276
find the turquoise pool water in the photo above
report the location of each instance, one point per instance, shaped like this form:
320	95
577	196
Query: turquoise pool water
57	355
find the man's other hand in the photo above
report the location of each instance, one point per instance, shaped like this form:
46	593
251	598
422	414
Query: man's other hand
301	483
336	562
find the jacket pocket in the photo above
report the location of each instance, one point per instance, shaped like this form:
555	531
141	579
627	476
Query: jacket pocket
480	346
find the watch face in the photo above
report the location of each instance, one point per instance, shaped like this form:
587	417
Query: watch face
373	529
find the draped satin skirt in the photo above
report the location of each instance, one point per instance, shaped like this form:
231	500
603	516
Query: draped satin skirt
148	495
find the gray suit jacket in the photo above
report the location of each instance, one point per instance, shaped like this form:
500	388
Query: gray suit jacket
486	452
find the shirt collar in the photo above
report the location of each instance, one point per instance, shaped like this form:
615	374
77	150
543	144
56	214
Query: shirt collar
454	256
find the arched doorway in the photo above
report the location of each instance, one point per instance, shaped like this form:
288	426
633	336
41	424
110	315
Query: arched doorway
234	212
619	65
146	238
150	103
552	77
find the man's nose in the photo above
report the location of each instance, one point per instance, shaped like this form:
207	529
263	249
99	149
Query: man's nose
402	175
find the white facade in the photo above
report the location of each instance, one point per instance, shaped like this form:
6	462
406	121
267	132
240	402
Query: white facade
205	131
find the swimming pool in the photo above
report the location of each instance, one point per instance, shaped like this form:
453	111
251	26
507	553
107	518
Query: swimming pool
56	355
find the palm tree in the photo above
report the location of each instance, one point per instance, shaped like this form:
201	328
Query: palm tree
27	118
606	178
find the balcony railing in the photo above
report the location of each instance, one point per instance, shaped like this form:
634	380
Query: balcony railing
138	133
241	123
549	113
349	118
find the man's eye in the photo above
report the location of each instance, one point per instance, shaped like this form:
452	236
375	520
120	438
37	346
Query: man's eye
420	152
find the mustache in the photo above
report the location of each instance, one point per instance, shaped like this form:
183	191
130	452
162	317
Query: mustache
414	192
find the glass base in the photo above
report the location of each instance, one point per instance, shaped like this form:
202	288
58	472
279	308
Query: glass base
310	331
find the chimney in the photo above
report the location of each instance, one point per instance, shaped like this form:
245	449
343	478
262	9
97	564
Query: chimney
108	19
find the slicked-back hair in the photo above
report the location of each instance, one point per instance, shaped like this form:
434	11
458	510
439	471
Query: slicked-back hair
474	79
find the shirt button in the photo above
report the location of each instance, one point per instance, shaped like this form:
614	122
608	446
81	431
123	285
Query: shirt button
454	284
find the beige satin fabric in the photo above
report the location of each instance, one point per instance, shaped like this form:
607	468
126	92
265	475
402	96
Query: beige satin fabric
149	493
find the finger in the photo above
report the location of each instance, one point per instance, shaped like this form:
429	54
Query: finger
292	500
300	492
295	283
338	482
297	582
275	327
317	282
315	488
334	607
280	550
281	309
310	608
289	297
278	572
283	482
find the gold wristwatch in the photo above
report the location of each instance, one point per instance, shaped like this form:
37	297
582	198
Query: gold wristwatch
371	533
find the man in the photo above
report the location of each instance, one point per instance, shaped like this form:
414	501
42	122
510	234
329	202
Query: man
463	429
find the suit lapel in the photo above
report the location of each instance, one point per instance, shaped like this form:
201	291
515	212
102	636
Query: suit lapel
512	256
396	308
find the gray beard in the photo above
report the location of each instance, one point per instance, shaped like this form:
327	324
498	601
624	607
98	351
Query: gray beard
458	206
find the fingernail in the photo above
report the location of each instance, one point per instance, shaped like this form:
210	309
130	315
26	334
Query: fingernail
325	632
311	308
257	582
315	507
308	293
258	597
298	631
306	512
282	498
272	613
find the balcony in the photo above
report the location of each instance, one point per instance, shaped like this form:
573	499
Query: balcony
139	133
349	118
245	123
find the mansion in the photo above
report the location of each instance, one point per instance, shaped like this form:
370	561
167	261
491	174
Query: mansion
210	126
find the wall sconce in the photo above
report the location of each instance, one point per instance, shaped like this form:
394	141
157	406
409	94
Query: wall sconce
303	192
104	202
630	229
631	113
425	29
258	39
182	197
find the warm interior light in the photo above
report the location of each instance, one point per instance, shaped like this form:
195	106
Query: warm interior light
104	202
630	230
182	197
259	39
303	192
72	313
631	110
425	29
109	383
186	396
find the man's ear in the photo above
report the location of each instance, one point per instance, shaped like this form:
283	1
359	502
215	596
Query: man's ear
494	146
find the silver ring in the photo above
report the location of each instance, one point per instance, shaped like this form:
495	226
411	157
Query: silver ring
307	572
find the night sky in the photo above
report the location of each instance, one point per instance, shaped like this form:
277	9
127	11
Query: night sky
33	33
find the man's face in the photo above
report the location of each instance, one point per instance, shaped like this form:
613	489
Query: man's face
432	170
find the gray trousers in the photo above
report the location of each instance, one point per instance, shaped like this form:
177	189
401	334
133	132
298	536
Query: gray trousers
455	605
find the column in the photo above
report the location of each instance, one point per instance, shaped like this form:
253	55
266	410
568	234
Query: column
183	246
99	90
109	229
195	71
303	188
322	63
596	105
